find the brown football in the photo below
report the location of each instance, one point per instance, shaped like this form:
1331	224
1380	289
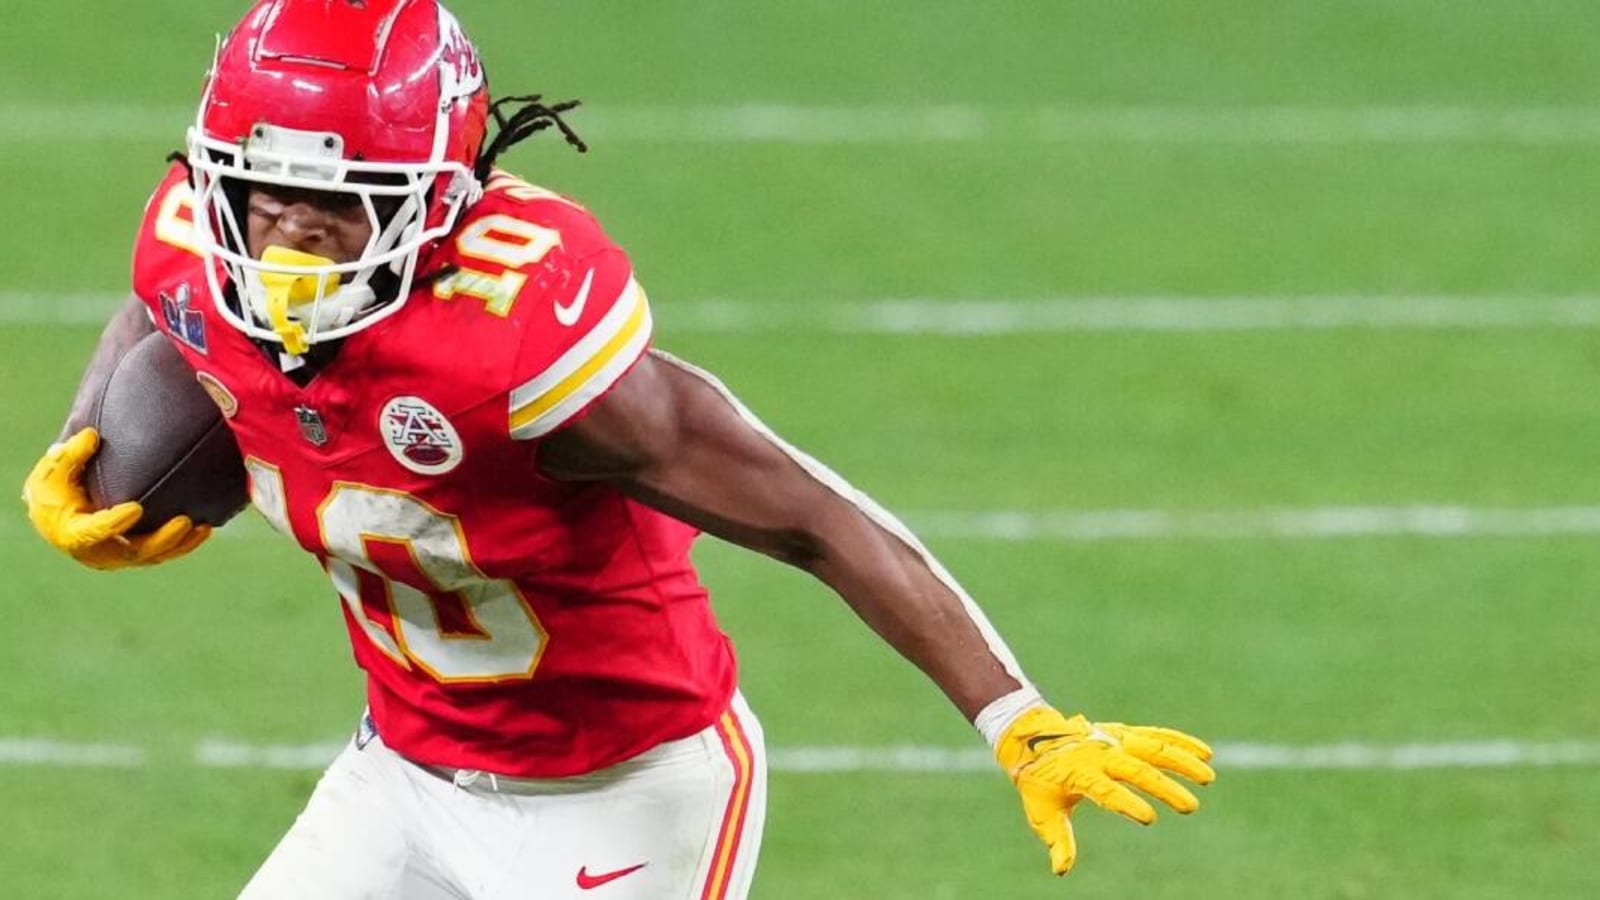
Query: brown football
163	442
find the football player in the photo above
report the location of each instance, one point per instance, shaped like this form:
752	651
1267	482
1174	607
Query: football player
442	381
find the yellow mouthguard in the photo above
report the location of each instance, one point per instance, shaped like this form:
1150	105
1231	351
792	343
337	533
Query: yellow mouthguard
284	290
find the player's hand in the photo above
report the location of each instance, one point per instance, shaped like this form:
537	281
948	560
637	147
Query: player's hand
60	509
1056	762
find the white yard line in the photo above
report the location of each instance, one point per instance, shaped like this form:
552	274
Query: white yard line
992	317
1075	526
32	122
51	752
82	308
1230	756
217	753
1504	753
1099	526
1001	316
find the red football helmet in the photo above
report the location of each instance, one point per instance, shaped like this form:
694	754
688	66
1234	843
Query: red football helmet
382	99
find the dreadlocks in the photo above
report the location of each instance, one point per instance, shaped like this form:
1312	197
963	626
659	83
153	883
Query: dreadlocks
529	118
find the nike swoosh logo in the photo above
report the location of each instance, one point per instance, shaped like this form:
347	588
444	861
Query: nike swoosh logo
1036	740
587	882
568	314
1094	735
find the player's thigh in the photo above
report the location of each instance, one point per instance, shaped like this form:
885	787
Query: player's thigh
351	840
683	821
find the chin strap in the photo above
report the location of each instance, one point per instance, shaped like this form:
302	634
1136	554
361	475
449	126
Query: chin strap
285	290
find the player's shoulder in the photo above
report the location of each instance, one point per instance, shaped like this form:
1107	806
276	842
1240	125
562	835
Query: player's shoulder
165	249
565	293
524	251
506	196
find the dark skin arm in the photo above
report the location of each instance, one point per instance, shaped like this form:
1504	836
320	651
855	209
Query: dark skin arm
126	328
669	439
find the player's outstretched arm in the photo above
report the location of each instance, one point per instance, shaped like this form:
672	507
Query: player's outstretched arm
672	436
59	506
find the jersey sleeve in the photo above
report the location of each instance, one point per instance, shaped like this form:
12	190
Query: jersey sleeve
590	332
165	249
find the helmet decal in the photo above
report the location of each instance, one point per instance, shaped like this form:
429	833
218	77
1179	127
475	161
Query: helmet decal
460	71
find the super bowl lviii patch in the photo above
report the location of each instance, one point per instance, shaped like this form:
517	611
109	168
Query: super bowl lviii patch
183	322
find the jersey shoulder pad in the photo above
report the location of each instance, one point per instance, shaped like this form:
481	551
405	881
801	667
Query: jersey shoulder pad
518	248
168	270
522	227
582	320
166	240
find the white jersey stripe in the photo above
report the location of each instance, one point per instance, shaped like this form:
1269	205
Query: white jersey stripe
584	350
616	333
582	394
870	508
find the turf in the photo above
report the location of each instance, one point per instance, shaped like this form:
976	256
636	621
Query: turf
1388	640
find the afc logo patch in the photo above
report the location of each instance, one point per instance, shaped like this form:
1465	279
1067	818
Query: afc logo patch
185	324
419	436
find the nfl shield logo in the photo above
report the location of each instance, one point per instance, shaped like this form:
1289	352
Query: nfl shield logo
365	731
311	427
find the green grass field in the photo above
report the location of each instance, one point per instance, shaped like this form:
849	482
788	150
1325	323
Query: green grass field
1381	639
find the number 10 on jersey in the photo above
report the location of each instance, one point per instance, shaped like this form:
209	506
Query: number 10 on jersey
464	628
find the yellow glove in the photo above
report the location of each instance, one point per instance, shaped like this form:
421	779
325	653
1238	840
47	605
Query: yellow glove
61	512
1056	761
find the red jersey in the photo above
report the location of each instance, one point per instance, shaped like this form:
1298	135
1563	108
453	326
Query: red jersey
506	622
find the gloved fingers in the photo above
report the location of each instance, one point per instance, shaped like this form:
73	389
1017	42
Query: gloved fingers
1048	816
1173	757
157	543
1063	848
69	457
79	531
1108	794
1172	737
45	479
40	474
190	540
76	451
173	539
112	553
121	553
1149	779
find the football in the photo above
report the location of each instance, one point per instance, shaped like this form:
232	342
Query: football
163	442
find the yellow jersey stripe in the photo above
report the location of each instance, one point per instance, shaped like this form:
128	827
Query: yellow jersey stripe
615	318
530	412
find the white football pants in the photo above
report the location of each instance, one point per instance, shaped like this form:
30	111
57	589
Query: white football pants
681	821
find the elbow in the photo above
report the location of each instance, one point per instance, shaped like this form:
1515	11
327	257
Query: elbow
802	548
